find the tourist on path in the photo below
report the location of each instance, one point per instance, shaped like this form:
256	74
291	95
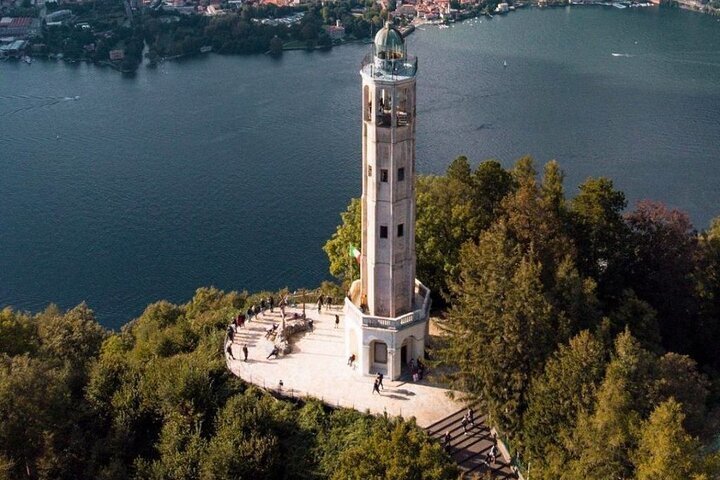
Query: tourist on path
464	424
337	320
245	352
351	360
275	352
250	313
263	306
447	438
231	333
493	454
271	301
375	387
471	416
320	303
379	380
229	351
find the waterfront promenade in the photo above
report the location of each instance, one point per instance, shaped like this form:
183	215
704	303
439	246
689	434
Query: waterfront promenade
317	367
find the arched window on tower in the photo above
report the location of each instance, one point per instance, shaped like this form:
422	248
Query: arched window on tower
384	108
403	113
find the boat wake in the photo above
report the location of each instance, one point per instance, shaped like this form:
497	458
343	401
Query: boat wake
621	55
31	102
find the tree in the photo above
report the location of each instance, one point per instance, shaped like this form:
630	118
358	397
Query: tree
665	449
276	46
679	378
533	224
393	450
707	279
602	236
552	187
18	333
499	326
639	317
566	388
665	249
603	439
342	263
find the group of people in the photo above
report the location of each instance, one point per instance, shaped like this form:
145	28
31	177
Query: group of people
326	300
469	419
231	338
417	369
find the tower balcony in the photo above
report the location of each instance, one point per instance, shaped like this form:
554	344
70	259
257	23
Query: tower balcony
421	311
389	69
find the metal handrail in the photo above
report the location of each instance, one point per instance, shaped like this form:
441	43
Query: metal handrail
406	67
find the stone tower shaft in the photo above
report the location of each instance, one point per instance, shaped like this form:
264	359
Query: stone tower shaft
387	262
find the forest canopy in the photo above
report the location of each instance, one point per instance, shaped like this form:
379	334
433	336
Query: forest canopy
588	332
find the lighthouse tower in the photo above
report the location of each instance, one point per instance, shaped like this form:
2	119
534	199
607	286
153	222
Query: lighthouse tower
387	309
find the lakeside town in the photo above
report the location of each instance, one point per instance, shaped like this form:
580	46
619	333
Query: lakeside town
124	34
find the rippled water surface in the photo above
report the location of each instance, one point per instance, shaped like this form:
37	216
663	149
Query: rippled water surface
232	171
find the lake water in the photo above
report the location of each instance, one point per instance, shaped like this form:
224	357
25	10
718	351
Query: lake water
232	171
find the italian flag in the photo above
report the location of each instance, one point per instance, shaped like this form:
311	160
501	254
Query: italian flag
354	252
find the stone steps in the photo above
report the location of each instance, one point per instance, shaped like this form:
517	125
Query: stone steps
470	451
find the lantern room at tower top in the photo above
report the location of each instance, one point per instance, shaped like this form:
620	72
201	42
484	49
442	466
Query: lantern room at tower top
389	58
387	309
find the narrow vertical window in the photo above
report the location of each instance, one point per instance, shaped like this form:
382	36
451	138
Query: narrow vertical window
369	170
401	174
383	231
383	175
401	230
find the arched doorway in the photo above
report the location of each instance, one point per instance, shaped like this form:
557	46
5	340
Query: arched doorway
407	352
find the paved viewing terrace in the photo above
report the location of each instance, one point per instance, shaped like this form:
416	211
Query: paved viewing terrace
317	367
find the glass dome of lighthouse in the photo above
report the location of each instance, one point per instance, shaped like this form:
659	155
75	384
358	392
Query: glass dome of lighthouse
389	59
389	43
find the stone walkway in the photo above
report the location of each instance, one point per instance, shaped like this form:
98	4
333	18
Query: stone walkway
317	367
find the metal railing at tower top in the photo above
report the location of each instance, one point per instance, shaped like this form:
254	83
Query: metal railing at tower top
378	68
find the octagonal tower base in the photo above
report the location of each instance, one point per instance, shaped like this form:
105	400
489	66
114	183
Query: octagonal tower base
386	345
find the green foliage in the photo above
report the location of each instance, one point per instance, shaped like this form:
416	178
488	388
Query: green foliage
566	389
156	401
452	210
342	264
18	332
665	449
393	450
524	271
500	326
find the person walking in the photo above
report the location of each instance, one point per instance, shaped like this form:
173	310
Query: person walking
471	416
320	303
493	454
447	438
249	313
231	333
271	301
275	352
380	379
351	360
229	351
376	388
337	320
245	352
464	424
